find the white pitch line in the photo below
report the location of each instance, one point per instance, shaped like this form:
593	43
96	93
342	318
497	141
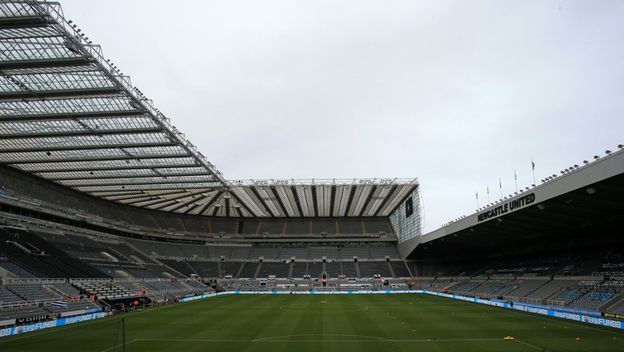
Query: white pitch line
368	338
117	346
529	345
288	309
318	340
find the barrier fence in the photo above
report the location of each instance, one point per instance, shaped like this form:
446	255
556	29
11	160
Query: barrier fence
15	330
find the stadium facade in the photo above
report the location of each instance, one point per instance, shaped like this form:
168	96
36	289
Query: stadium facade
104	204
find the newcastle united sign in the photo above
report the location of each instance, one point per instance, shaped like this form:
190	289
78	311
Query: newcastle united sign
504	208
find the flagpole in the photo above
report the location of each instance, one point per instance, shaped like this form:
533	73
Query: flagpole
488	193
533	170
516	180
500	187
477	196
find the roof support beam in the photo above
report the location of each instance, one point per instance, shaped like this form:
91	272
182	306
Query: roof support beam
88	147
315	207
208	204
23	22
184	204
242	204
119	199
296	197
133	167
73	116
113	158
163	182
46	63
193	194
150	202
350	200
136	194
129	176
332	200
264	204
80	133
279	201
386	199
215	211
368	199
131	187
63	93
239	213
146	198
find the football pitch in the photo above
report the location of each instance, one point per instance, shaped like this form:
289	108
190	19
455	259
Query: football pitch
400	322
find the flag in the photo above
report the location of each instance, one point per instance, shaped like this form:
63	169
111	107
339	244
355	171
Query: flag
500	183
477	195
488	190
515	176
59	304
532	165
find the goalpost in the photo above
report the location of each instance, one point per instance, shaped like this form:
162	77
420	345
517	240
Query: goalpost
123	334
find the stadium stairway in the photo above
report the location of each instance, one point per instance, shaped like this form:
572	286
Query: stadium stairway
612	302
190	267
400	269
357	269
390	269
154	259
4	273
257	270
239	271
56	291
552	295
247	270
528	293
290	270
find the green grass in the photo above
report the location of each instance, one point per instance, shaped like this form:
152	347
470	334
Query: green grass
323	323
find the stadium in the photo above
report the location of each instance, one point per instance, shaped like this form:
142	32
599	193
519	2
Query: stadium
118	234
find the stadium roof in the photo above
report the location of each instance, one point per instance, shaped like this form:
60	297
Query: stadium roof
281	198
582	203
71	116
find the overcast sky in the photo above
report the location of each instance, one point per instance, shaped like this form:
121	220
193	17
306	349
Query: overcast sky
456	93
